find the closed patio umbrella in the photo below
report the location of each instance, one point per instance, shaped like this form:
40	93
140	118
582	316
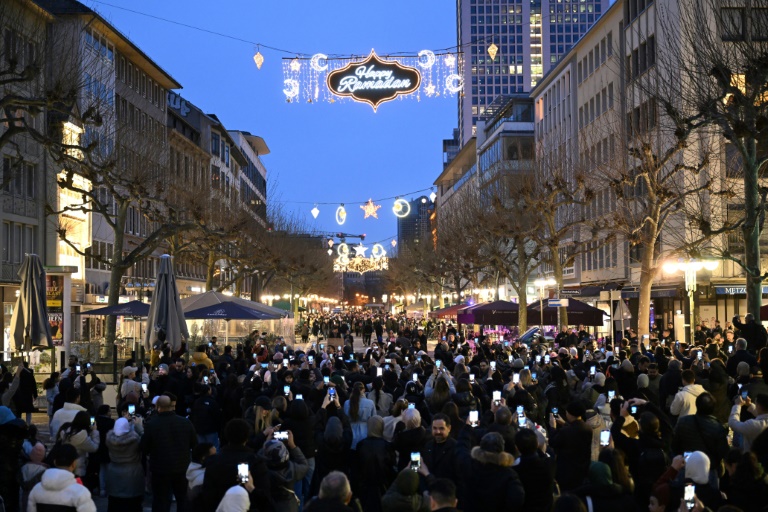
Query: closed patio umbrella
166	318
29	322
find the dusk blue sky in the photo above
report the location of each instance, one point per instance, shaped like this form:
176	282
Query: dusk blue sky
319	152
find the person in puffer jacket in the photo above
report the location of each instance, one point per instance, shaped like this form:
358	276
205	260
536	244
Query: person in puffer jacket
287	465
125	476
83	437
403	495
58	486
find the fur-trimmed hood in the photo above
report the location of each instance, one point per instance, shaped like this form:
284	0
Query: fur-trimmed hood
503	459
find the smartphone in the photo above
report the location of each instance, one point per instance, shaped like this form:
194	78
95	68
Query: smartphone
415	461
242	473
515	378
77	368
322	346
730	349
611	394
286	390
411	406
522	421
379	371
534	375
438	363
546	359
497	397
472	378
93	420
280	435
538	359
555	411
605	437
299	397
686	455
493	366
506	343
592	370
255	356
586	352
699	355
205	379
332	392
311	359
326	379
210	344
520	410
443	338
144	387
511	358
285	363
131	409
415	377
677	345
744	394
689	496
477	339
87	365
264	365
474	418
633	410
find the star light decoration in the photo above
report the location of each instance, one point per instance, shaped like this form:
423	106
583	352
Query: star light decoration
450	60
370	209
295	65
359	263
430	89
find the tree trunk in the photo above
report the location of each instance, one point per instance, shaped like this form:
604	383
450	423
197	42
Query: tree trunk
751	230
557	269
210	270
522	318
647	273
117	269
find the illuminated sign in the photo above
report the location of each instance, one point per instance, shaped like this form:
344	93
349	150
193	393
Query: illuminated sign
374	81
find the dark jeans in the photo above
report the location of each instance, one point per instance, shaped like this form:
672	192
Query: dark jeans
163	485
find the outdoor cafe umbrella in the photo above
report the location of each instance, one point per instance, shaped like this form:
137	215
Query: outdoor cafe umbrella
229	311
579	313
165	317
499	312
134	309
29	322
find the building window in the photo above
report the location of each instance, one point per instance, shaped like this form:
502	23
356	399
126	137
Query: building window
733	24
215	142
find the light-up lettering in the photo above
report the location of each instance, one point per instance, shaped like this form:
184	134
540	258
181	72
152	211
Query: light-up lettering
373	80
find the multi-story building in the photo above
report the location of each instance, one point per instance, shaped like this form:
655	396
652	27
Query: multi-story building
415	228
529	38
128	90
253	178
26	181
593	104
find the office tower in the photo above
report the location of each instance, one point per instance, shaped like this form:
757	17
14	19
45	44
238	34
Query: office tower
528	36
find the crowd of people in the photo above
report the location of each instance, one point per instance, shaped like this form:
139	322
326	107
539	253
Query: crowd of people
474	424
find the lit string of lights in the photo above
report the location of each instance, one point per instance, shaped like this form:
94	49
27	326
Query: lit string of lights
400	208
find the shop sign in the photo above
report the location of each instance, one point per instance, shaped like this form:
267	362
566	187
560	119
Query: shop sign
735	290
54	298
374	81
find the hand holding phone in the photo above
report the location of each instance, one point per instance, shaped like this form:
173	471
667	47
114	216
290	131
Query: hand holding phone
474	418
605	438
242	473
415	461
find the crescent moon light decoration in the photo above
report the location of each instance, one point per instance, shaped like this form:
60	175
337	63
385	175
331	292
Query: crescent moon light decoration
454	83
377	251
401	208
341	215
315	62
430	59
292	88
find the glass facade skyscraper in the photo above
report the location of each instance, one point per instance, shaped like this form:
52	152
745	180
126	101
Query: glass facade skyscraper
530	37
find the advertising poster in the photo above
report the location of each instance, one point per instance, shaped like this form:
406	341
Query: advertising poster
54	292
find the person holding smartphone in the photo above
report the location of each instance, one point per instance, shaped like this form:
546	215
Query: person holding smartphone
571	439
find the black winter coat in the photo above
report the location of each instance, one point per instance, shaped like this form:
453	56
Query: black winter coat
374	475
221	471
697	432
12	436
572	444
407	442
537	474
167	440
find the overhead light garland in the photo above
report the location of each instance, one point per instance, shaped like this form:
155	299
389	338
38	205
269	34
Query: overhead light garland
401	208
360	263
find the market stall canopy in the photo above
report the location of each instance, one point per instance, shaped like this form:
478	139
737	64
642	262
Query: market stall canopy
579	313
228	311
213	297
134	308
29	321
499	312
449	312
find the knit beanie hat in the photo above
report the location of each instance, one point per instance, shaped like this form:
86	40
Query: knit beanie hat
697	467
742	369
626	365
275	453
38	453
643	381
122	427
599	379
375	426
600	474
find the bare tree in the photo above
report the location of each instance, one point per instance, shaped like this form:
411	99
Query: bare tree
716	64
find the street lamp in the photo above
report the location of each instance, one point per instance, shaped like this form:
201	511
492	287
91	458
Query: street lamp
542	284
690	268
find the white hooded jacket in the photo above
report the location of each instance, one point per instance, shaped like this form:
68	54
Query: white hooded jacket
684	403
59	487
235	500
